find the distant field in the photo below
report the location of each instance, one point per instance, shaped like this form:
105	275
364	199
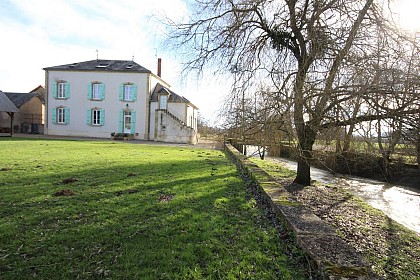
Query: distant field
86	210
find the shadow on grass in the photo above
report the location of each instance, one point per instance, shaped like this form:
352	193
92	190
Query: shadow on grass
208	230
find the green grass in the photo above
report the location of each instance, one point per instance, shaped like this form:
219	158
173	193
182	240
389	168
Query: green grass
276	170
118	225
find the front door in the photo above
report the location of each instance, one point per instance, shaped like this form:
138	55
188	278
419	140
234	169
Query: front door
127	122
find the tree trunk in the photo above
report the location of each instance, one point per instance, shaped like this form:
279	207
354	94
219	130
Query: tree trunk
303	176
306	142
418	141
418	152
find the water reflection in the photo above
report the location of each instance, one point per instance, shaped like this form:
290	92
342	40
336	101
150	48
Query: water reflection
400	203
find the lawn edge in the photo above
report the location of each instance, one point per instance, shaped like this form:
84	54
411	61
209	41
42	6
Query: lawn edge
327	253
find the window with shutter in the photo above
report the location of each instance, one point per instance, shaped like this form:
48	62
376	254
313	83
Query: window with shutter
89	117
89	91
61	115
54	115
128	92
121	122
134	89
96	117
133	122
54	90
66	115
96	91
61	90
102	92
102	117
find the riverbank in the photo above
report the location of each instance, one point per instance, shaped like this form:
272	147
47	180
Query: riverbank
391	249
359	164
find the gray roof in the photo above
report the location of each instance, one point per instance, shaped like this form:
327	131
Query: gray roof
20	98
102	65
6	105
172	96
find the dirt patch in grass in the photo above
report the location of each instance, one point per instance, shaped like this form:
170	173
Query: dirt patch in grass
165	197
64	193
5	169
130	191
69	181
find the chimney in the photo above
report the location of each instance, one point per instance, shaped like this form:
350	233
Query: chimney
159	69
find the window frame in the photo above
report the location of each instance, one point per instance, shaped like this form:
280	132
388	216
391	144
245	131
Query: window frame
163	97
61	90
130	93
96	91
96	117
60	115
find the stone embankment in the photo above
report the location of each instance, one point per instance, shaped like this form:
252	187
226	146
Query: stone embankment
328	254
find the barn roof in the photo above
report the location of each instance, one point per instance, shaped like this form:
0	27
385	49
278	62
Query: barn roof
6	105
20	98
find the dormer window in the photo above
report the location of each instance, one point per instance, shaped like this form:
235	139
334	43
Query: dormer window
102	65
129	66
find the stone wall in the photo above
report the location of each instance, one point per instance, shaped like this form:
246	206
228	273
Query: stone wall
167	129
327	253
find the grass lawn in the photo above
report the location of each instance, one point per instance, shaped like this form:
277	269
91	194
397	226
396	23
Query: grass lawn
85	209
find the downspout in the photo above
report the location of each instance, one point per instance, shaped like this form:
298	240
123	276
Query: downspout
148	107
46	110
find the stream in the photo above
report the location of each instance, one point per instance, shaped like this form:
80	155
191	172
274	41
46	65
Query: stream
402	204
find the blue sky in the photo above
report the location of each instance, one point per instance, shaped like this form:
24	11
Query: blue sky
41	33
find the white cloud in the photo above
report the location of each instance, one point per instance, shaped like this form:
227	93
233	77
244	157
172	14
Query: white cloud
45	33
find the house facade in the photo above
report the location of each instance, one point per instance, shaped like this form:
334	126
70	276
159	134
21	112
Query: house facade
99	97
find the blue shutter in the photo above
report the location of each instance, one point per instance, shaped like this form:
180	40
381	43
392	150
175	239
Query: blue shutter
102	97
89	117
134	92
67	115
54	90
133	122
102	117
121	92
121	123
89	91
54	115
67	90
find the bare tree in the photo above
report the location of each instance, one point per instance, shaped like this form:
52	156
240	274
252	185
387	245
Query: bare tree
305	45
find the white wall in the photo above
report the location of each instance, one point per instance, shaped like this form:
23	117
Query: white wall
178	109
173	131
153	107
192	117
79	103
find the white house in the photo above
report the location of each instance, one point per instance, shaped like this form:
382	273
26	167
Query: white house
99	97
